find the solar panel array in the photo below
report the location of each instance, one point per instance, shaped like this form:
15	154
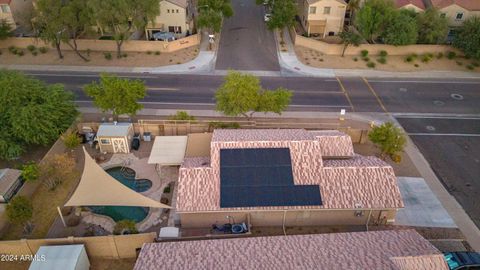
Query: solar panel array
251	177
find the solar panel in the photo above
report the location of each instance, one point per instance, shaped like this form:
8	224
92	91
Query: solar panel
253	177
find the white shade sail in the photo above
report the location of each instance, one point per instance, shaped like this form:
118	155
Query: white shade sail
168	150
98	188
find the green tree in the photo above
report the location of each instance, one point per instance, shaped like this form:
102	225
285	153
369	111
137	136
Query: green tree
20	211
372	18
352	7
401	29
120	96
349	38
212	12
283	15
49	24
71	140
5	29
122	17
241	94
432	27
76	19
31	112
467	37
30	172
125	227
389	138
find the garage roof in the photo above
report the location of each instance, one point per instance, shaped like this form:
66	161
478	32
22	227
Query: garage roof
168	150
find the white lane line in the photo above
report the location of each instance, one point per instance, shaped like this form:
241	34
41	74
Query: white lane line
162	88
444	134
437	117
87	75
449	82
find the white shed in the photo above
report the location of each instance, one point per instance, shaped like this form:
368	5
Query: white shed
115	137
65	257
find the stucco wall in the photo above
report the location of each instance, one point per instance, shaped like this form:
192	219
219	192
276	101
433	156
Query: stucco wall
110	45
334	20
451	13
172	18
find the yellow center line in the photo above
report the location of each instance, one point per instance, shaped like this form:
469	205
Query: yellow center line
346	93
375	94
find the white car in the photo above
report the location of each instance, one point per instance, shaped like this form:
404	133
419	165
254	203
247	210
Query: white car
267	17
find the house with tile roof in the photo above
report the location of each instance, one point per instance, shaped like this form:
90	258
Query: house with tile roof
285	177
395	250
456	11
15	11
322	17
417	5
175	17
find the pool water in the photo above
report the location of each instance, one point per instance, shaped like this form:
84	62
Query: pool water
117	213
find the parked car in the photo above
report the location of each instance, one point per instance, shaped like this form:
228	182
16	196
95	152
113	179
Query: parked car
267	17
164	36
463	260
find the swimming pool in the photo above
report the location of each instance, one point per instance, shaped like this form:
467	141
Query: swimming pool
117	213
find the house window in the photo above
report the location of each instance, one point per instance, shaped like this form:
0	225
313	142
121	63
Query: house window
5	8
177	10
105	141
443	15
168	10
326	10
312	10
459	16
175	29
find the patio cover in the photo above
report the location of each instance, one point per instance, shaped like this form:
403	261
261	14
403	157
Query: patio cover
98	188
168	150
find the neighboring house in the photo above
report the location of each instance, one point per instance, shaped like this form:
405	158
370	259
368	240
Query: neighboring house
285	177
10	183
417	5
322	17
394	249
16	12
174	17
456	11
6	12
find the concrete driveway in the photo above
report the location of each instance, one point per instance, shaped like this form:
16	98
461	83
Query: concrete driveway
245	42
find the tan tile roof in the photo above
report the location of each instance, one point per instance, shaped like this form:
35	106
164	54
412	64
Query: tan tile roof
8	178
466	4
334	143
344	184
180	3
361	250
418	3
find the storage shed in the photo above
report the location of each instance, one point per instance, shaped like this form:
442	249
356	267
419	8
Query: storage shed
115	137
10	182
64	257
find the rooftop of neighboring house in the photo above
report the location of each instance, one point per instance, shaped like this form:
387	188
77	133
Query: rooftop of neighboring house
293	161
311	2
418	3
473	5
397	250
7	178
5	2
180	3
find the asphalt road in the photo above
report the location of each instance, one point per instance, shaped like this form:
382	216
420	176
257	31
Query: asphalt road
245	41
309	94
452	147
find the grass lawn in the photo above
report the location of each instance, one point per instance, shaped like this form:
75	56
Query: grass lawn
45	204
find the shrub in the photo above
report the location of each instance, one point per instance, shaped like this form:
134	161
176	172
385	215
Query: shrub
43	50
20	211
88	51
382	60
366	59
396	158
30	172
182	115
157	53
388	138
125	227
31	48
34	53
439	55
459	63
409	59
321	59
71	140
426	58
470	67
229	125
166	189
12	49
371	64
451	55
416	65
20	52
149	52
364	53
355	59
383	53
107	55
124	55
475	64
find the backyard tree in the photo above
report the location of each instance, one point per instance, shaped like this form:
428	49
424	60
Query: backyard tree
432	27
401	28
467	37
212	12
120	96
56	169
30	172
49	24
31	112
372	18
5	29
76	19
20	211
349	38
71	140
390	139
241	94
283	15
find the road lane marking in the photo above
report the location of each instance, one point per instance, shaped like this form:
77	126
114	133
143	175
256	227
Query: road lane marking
453	117
346	93
375	94
444	134
407	81
162	88
87	75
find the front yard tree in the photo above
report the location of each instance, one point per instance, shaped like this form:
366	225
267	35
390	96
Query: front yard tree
467	37
432	27
372	18
5	29
76	18
242	94
212	12
20	211
401	29
390	139
120	96
31	112
283	15
48	23
349	38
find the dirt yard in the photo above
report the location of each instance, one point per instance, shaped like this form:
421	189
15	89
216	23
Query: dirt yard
393	63
133	59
